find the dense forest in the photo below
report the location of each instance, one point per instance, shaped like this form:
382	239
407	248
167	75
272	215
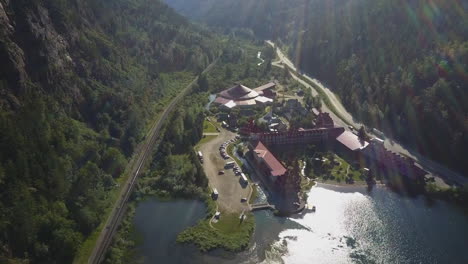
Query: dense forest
80	80
400	66
175	171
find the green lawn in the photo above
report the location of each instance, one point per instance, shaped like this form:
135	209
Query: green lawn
228	233
230	152
208	127
339	170
229	223
254	193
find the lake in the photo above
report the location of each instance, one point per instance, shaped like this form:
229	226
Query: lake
350	225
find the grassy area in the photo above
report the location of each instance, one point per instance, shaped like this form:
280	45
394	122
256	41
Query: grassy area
208	127
229	233
204	140
230	152
306	184
338	170
254	193
229	224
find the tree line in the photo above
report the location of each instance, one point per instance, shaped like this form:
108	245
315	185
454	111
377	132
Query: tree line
399	66
90	78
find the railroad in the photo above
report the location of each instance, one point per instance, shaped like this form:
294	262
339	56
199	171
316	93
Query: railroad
105	237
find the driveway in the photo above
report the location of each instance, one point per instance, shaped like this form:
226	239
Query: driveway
228	185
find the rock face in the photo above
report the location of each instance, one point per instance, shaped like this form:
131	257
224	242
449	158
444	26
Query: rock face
12	68
79	81
31	50
58	46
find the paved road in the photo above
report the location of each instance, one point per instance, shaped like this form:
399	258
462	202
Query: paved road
142	154
446	175
228	186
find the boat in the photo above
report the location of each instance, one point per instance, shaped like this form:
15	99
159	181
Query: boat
310	207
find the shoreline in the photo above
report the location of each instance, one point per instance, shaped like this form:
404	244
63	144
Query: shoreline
346	185
349	188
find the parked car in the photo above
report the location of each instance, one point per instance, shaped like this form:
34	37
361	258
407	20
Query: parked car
214	194
221	172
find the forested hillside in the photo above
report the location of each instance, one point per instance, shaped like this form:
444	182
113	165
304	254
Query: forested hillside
79	82
400	66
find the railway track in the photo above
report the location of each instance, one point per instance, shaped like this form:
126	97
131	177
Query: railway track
112	223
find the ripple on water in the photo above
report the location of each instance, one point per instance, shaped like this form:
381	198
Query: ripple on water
351	226
383	227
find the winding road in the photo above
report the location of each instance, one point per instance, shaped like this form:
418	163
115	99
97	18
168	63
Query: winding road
342	117
141	156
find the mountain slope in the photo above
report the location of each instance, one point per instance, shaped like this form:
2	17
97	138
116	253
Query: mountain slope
400	66
79	81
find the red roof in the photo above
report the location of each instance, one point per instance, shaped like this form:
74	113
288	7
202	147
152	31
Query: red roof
276	168
351	141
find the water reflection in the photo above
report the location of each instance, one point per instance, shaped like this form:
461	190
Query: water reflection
350	225
377	227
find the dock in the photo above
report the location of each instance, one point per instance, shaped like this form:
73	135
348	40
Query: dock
262	206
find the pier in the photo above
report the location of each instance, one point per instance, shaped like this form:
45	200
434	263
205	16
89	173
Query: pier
262	206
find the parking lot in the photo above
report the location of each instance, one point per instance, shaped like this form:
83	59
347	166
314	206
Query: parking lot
230	186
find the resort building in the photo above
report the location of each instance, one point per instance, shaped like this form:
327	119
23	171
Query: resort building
350	145
344	142
300	136
242	96
266	162
267	90
391	161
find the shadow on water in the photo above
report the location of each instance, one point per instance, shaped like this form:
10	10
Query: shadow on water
159	222
351	224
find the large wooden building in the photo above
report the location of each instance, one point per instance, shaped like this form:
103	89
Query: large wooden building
266	162
242	96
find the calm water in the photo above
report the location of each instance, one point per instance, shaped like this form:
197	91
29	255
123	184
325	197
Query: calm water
350	226
160	222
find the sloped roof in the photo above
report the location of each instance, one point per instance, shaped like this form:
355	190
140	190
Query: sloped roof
239	92
276	168
265	86
351	141
263	99
221	100
230	104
